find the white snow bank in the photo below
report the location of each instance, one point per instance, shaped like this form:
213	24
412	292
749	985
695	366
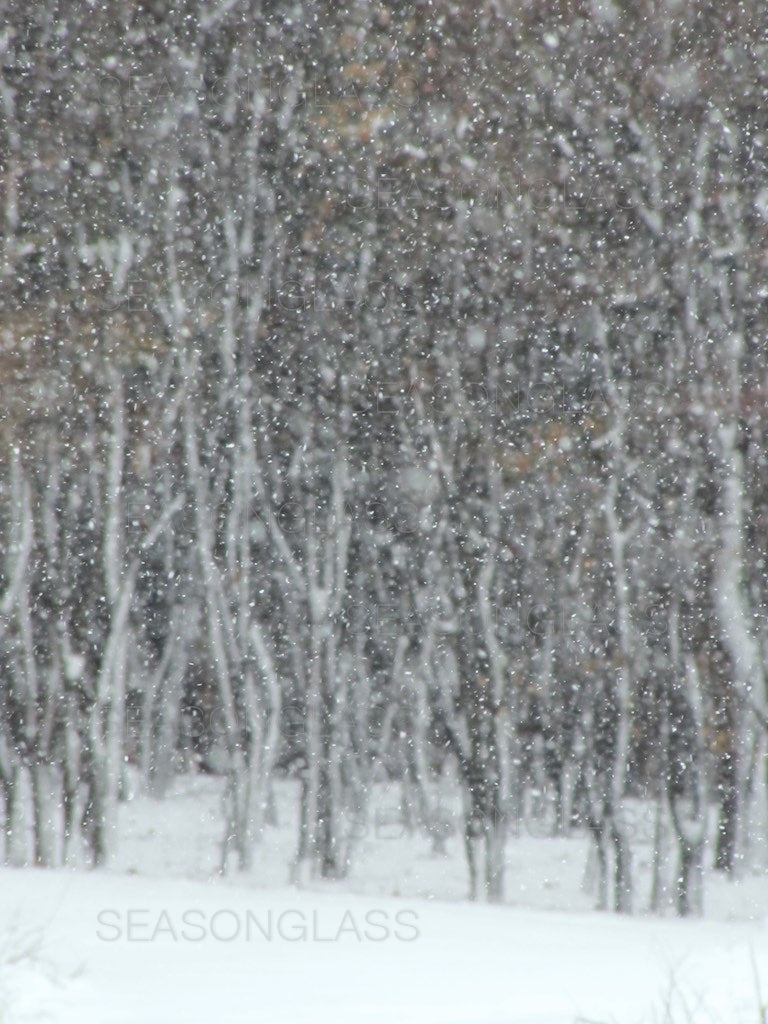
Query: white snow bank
131	950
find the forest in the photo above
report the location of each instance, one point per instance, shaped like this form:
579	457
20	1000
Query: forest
384	399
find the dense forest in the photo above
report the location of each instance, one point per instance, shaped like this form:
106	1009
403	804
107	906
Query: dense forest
384	397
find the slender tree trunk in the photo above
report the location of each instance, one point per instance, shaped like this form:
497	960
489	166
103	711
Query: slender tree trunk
43	794
10	782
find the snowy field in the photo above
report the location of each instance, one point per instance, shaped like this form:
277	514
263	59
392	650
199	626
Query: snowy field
181	836
453	964
160	940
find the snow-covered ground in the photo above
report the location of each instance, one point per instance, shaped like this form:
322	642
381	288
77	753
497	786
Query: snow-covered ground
130	950
160	940
180	837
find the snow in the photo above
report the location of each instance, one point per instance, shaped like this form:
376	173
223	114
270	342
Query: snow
384	401
176	944
468	964
180	837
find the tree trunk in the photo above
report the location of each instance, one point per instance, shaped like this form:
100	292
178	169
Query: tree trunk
14	845
42	777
